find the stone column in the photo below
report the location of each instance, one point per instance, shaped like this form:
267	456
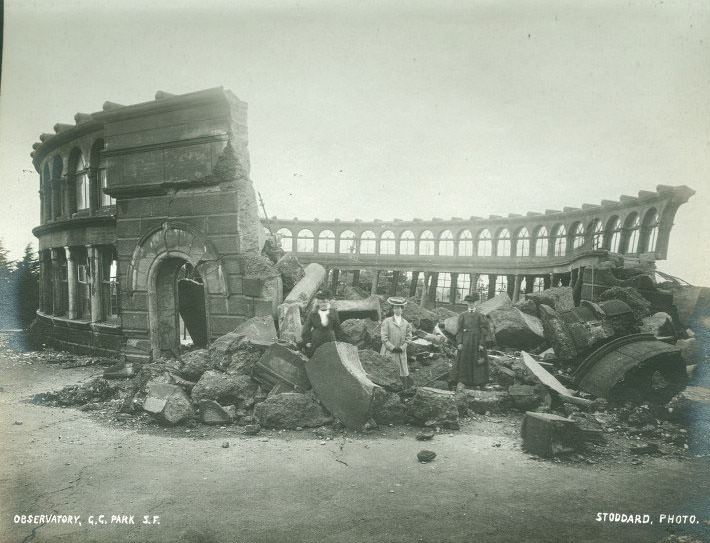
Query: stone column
96	269
517	279
334	281
546	281
510	286
425	289
529	283
94	192
431	291
577	292
395	282
413	284
67	199
452	288
56	282
356	277
375	279
71	284
564	279
473	278
492	278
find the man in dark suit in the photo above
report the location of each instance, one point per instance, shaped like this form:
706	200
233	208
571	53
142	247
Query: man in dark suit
322	324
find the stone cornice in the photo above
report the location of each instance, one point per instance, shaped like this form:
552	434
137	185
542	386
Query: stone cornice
76	222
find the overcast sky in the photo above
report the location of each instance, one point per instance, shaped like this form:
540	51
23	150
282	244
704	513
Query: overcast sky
373	110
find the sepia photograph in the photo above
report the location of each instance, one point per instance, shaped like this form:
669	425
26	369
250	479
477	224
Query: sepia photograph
354	271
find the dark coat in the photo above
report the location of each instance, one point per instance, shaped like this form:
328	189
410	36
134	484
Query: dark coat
472	363
316	334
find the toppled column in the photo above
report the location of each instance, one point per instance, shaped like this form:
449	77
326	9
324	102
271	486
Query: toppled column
297	301
302	292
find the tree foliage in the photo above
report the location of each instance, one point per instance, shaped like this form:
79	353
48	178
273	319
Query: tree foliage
19	289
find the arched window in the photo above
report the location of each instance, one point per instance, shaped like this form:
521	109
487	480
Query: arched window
577	235
80	175
347	242
613	233
368	243
485	244
326	242
446	243
426	243
522	243
465	243
560	240
650	224
538	284
632	233
541	242
387	243
597	234
304	241
406	243
47	189
286	238
443	287
503	243
57	190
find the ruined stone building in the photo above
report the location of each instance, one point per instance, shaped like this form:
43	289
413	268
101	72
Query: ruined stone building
513	254
140	201
134	197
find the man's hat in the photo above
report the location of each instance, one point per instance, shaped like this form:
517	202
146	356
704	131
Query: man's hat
396	300
472	298
323	294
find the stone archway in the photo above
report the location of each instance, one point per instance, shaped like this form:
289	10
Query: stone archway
153	271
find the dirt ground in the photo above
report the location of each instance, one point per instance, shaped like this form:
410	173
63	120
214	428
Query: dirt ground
315	485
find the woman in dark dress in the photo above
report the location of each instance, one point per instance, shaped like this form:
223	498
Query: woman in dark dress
322	324
472	360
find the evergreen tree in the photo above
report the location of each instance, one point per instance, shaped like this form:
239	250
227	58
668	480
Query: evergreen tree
7	297
25	283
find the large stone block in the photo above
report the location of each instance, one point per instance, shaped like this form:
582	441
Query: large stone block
659	324
259	331
194	363
558	298
640	306
167	403
291	410
545	434
501	301
434	407
282	365
556	334
340	382
225	388
513	328
381	370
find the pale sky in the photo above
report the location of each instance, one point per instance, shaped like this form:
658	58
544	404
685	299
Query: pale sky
377	110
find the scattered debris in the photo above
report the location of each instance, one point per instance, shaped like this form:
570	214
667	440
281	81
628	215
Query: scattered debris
425	435
168	403
280	365
225	388
291	410
549	381
425	456
213	413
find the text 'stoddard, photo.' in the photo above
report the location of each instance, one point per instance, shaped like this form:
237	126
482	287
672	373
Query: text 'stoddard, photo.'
354	272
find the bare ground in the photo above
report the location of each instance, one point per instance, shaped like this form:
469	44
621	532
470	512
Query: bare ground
316	486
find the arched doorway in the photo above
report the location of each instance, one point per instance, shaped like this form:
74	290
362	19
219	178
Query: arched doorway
176	295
